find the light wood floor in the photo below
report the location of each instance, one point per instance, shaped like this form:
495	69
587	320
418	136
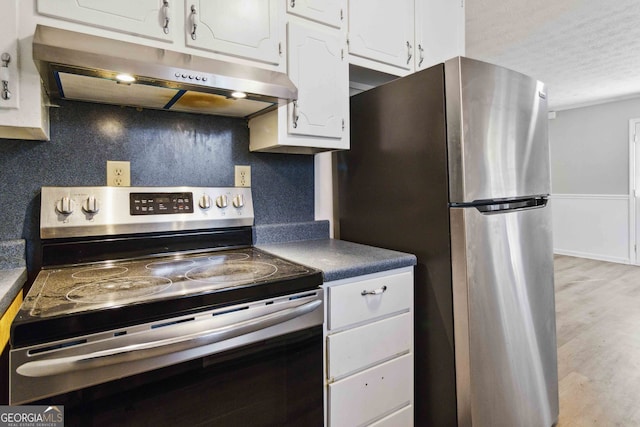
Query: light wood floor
598	326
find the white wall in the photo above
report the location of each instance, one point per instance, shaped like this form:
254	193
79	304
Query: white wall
324	189
591	226
590	180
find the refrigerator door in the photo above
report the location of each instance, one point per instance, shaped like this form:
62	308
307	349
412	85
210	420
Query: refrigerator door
496	132
504	317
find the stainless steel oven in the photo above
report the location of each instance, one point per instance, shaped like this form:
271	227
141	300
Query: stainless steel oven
152	308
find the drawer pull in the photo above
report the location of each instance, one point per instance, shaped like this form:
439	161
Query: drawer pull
374	292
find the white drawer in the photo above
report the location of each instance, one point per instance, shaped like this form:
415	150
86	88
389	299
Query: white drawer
348	306
369	394
366	345
401	418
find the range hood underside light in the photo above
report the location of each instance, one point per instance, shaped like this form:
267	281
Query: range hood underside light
125	78
106	91
79	66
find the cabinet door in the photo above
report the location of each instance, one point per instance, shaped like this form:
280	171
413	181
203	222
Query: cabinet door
382	30
439	31
318	68
9	94
250	29
148	18
22	114
329	12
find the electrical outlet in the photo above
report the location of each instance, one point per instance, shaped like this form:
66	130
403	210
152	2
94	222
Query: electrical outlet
243	176
118	174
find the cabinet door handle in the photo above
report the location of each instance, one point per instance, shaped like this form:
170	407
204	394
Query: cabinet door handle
421	50
293	4
194	24
296	116
374	292
4	76
165	11
409	52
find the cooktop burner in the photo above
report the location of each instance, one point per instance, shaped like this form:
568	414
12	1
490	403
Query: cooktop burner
118	290
93	273
232	271
169	265
67	290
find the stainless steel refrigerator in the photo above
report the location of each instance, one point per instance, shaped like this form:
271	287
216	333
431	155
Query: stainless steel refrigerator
452	164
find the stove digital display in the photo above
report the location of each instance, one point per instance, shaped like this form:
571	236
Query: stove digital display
160	203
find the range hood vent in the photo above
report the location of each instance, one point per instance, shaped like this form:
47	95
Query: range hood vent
84	67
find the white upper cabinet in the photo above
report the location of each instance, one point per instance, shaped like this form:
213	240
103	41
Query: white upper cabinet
23	112
318	68
439	31
404	36
235	30
319	119
329	12
251	29
382	31
9	76
147	18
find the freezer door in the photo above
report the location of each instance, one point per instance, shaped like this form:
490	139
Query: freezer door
496	132
504	317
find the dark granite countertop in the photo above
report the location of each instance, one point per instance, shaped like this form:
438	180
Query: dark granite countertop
339	259
13	271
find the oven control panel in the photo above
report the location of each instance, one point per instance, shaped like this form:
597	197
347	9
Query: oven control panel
100	211
160	203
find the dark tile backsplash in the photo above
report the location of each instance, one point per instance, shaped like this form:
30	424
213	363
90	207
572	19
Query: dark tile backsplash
165	149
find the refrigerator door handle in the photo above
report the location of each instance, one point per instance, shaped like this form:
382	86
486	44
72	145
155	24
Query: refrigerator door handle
520	204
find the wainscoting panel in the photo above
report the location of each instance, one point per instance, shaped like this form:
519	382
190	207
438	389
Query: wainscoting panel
591	226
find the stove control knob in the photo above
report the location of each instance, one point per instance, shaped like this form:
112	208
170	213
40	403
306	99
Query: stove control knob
65	206
221	201
238	201
91	205
204	202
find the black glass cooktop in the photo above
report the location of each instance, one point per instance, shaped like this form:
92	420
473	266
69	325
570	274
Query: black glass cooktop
68	301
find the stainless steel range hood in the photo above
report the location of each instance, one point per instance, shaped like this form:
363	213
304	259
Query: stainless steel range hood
83	67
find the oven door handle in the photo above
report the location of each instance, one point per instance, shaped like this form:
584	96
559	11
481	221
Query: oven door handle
146	350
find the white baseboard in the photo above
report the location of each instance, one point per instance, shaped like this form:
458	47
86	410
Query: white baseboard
597	257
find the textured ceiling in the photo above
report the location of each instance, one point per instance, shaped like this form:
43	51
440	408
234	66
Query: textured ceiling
586	51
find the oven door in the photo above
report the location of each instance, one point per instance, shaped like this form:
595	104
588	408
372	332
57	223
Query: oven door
272	383
222	366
